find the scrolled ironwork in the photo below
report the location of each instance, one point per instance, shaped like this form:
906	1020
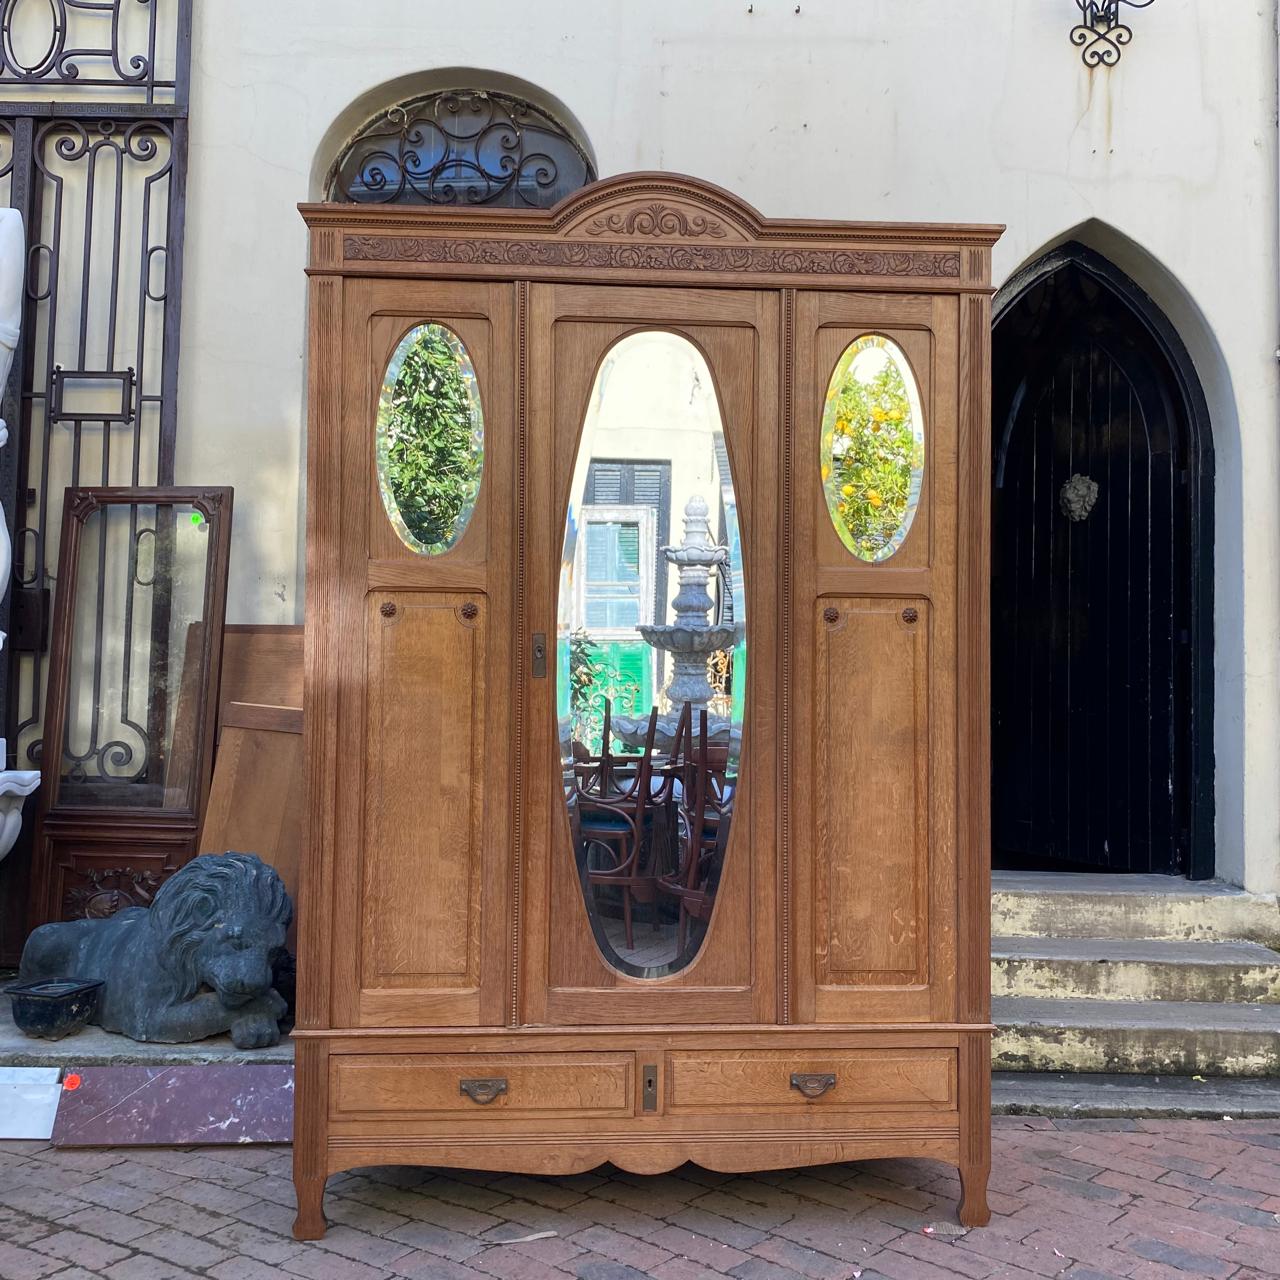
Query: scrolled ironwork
462	147
101	43
1101	35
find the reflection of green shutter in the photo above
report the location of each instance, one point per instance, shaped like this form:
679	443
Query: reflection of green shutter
739	681
629	670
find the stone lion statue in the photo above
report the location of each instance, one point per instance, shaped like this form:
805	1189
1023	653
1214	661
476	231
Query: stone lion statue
196	963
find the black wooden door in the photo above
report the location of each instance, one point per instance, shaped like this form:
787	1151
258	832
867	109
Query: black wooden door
1096	578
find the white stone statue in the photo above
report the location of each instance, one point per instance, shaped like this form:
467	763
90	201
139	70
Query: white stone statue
15	784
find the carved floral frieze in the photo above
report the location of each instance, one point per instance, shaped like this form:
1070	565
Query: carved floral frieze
657	257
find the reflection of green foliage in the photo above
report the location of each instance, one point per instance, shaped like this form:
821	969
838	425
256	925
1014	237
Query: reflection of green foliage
591	681
584	667
430	448
869	451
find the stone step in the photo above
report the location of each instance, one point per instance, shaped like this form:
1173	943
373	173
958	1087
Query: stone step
1030	1093
1088	905
1154	1037
1135	969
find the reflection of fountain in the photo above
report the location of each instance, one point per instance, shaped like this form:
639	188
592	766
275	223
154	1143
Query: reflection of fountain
692	638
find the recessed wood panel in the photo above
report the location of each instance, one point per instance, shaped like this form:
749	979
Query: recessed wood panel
871	758
745	1080
424	792
567	1084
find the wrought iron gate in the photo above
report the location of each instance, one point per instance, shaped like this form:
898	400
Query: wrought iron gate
93	153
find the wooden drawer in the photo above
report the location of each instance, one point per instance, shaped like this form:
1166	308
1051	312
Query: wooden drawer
532	1084
752	1079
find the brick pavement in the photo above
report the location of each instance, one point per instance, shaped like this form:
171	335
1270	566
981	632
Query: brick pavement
1150	1200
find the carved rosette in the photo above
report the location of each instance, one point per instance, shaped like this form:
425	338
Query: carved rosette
106	890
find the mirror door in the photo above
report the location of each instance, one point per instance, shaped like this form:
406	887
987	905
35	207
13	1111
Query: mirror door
873	616
424	656
650	501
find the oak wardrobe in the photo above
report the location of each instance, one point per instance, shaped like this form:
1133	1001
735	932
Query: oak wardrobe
646	690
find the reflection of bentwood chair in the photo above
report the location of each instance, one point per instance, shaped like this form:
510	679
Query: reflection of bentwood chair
610	822
703	813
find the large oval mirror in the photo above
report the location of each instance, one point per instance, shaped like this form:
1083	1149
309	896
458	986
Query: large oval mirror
430	439
872	447
651	654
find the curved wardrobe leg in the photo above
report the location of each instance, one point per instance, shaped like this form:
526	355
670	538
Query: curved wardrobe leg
975	1129
310	1223
974	1211
310	1172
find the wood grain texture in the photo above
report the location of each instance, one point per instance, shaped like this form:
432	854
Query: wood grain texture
871	908
473	953
569	1085
262	665
865	1078
257	803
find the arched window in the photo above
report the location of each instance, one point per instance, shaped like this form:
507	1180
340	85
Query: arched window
462	146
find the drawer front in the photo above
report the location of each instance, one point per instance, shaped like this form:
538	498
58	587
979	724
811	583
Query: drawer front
835	1080
487	1086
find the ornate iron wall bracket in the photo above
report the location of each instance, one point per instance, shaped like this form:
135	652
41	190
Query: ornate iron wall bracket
1100	35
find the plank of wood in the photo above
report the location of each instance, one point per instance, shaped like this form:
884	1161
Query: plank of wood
258	797
261	665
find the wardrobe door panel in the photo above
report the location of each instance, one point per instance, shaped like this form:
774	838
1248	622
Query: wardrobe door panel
871	909
872	684
424	804
622	465
422	624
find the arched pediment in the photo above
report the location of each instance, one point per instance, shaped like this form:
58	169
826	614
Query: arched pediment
657	206
644	227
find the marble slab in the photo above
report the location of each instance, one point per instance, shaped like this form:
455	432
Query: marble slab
28	1101
211	1105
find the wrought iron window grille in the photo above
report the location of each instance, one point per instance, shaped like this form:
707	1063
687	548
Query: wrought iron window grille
1101	34
461	146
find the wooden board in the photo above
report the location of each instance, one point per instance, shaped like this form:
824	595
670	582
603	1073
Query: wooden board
257	803
261	664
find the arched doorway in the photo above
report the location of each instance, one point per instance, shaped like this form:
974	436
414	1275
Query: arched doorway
1102	579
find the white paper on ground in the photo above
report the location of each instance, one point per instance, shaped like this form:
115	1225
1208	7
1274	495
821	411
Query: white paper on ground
29	1101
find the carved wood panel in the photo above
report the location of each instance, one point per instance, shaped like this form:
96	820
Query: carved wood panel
424	803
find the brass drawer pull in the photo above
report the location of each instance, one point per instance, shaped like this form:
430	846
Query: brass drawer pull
813	1085
483	1091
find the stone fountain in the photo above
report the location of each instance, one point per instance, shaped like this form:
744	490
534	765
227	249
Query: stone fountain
692	638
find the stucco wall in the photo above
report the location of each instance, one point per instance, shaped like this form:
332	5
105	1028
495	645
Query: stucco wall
879	109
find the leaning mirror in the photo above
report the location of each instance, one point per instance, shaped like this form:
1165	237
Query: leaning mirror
651	655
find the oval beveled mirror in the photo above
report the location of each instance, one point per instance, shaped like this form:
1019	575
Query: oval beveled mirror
651	654
872	447
430	447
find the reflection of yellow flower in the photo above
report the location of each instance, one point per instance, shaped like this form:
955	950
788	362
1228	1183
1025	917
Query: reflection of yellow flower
874	498
875	428
841	506
879	414
895	415
826	472
847	490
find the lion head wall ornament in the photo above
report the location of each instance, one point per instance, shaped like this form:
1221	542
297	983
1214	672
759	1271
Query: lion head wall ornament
196	963
1077	497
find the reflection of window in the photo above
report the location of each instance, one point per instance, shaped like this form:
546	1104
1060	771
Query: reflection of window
615	570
